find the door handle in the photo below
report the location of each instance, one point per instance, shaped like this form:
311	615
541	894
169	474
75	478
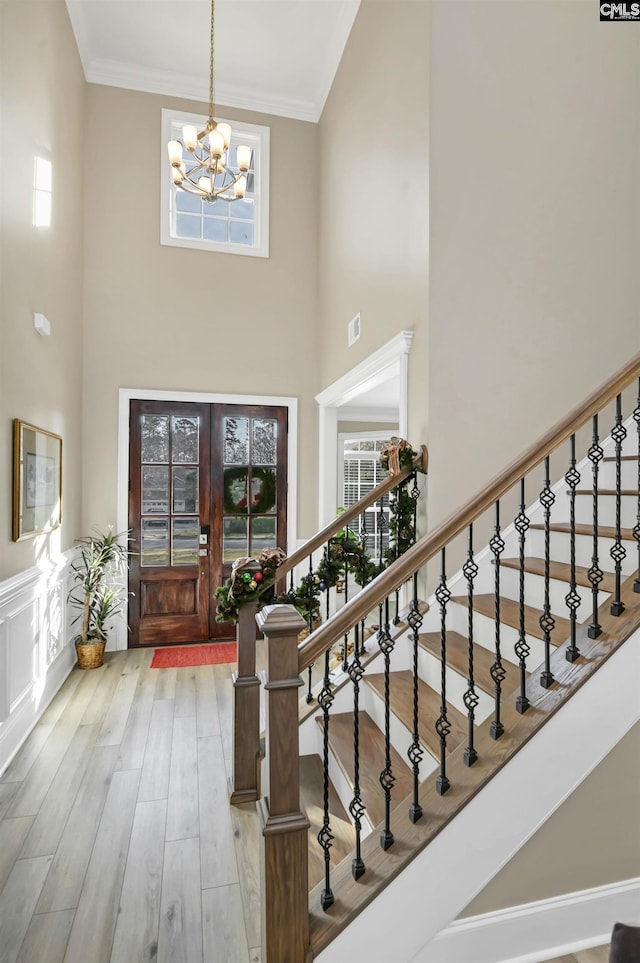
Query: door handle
203	552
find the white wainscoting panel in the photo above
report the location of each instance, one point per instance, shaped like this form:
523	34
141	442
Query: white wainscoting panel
36	651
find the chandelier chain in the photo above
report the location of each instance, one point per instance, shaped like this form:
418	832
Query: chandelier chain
211	72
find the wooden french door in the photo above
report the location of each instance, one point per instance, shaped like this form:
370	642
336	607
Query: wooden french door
207	485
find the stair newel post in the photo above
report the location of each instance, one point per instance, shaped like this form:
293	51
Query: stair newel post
387	779
470	698
415	751
246	755
572	599
443	726
595	455
618	551
284	863
356	807
546	621
522	648
636	527
498	673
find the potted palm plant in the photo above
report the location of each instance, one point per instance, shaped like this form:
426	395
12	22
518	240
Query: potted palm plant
98	591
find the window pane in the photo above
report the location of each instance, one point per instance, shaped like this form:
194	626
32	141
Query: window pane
235	490
235	432
234	539
155	438
215	229
263	534
154	542
240	233
188	202
187	225
264	449
155	490
184	543
244	209
263	491
185	439
185	489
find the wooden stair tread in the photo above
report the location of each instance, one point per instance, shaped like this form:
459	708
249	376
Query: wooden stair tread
401	693
604	531
606	491
311	795
623	458
561	571
510	615
371	760
458	659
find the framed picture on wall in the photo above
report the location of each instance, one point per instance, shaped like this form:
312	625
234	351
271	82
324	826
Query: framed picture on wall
37	480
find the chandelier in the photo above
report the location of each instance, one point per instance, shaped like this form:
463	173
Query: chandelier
200	165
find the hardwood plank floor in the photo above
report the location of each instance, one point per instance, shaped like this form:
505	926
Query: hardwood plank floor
597	954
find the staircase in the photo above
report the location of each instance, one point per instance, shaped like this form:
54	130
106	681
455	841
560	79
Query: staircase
436	717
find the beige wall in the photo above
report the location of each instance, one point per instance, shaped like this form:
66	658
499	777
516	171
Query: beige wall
162	317
42	94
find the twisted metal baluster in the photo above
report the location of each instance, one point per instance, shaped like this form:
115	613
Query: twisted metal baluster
522	649
572	599
364	537
546	620
345	647
470	698
498	673
636	527
382	524
618	552
443	726
325	836
387	779
310	697
356	807
595	455
415	751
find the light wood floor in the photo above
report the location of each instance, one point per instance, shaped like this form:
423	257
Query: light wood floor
117	842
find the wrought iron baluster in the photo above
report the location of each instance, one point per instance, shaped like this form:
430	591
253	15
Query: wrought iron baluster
443	726
345	648
356	807
522	648
572	478
618	552
470	698
546	620
636	527
387	779
498	673
595	455
415	752
310	601
325	836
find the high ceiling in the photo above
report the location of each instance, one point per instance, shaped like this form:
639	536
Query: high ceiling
276	56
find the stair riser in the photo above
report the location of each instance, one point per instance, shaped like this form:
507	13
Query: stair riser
484	634
561	546
607	474
607	510
429	671
534	592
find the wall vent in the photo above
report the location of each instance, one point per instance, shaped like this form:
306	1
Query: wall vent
353	330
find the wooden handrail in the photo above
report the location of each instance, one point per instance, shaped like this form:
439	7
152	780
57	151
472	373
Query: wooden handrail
429	545
337	524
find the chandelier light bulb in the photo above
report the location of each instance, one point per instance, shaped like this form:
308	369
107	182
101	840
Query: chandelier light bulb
240	186
177	176
244	158
204	183
225	130
190	137
216	143
175	153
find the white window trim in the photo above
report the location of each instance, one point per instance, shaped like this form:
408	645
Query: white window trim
256	134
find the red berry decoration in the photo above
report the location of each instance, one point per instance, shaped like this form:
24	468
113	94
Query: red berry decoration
258	576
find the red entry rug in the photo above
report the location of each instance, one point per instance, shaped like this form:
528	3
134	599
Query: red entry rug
213	653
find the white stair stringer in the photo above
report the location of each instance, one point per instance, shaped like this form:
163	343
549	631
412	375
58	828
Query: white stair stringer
436	886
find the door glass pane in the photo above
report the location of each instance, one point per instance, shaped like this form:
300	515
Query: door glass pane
155	438
155	542
235	490
234	539
185	439
155	490
263	490
235	434
263	451
185	489
184	542
263	534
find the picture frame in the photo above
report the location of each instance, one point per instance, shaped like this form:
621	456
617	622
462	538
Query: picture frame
37	481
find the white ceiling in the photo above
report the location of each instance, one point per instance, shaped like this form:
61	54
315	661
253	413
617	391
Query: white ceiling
275	56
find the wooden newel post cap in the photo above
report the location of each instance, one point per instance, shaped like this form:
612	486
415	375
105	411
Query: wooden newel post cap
275	620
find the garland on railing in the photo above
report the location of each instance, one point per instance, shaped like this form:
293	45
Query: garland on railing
253	579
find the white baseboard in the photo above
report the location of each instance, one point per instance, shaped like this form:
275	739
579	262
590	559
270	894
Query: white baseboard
538	931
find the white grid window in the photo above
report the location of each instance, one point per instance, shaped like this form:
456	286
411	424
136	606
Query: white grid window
232	227
360	475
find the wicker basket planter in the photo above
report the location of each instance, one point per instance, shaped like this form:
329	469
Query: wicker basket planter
90	655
